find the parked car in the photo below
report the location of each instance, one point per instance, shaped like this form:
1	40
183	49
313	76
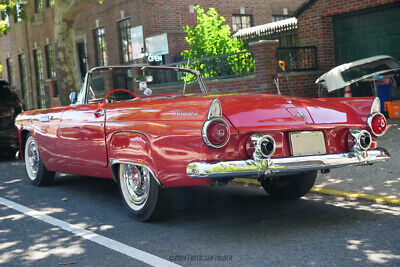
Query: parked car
10	106
150	128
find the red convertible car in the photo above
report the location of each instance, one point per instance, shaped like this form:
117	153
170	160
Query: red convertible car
150	128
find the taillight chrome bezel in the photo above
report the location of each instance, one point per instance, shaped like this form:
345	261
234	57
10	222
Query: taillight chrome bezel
369	124
205	136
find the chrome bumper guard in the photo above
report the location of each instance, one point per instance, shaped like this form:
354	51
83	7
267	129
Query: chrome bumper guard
253	168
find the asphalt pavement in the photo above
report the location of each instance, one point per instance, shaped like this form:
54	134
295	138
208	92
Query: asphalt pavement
378	179
232	225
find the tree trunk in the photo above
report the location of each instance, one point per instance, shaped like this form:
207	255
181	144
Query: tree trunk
65	52
65	57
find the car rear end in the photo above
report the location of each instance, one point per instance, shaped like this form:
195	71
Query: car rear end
279	136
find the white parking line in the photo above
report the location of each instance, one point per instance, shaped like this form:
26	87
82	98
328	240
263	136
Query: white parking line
89	235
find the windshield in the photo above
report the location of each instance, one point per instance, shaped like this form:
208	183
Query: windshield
142	81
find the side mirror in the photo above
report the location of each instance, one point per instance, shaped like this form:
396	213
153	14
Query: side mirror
73	97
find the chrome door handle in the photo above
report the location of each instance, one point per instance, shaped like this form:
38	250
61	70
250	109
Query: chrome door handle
99	113
45	118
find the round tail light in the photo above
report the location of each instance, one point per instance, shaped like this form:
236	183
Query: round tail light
377	124
215	133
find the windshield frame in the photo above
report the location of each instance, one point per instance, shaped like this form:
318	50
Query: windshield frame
88	77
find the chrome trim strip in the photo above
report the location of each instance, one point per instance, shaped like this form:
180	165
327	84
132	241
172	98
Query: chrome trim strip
123	161
376	102
218	103
281	166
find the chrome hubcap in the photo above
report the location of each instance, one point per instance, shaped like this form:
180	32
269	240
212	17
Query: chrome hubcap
137	183
33	158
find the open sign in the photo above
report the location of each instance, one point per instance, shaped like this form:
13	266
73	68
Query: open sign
156	58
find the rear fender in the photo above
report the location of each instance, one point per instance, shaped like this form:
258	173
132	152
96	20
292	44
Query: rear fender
130	147
356	106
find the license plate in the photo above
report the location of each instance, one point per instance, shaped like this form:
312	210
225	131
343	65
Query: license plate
307	143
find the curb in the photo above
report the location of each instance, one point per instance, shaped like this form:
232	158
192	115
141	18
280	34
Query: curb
333	192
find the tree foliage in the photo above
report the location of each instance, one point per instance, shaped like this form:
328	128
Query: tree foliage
212	37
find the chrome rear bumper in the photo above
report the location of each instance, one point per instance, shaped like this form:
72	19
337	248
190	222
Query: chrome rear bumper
281	166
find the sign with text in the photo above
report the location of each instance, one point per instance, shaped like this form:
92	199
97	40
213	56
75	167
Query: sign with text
157	45
137	42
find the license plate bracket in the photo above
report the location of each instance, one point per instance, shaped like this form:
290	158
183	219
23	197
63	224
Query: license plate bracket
307	143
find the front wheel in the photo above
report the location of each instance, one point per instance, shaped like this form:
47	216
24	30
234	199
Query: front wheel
37	173
291	186
141	193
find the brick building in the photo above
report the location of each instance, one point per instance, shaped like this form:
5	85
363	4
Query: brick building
102	36
344	31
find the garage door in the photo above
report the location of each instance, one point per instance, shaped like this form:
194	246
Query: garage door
367	33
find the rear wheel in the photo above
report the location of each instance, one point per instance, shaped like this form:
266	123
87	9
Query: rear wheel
290	187
141	193
37	173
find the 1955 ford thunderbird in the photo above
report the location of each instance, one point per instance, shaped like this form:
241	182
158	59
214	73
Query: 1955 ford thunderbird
150	128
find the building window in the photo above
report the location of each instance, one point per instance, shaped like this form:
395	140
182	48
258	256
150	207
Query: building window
50	3
50	65
24	81
10	71
38	6
280	17
240	21
39	75
100	46
124	28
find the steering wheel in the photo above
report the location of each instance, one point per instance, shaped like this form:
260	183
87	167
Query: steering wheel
114	91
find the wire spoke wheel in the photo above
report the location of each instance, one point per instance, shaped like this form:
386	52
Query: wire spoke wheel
136	184
141	192
32	159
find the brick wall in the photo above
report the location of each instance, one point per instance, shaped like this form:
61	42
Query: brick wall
315	25
158	16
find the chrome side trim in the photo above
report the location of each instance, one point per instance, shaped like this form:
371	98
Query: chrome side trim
281	166
123	161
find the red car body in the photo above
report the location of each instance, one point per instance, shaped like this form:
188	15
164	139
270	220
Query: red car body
165	134
147	131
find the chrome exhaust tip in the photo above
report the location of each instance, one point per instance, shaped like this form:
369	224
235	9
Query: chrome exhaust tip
264	145
359	140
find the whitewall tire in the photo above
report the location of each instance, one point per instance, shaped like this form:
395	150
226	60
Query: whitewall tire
141	193
37	173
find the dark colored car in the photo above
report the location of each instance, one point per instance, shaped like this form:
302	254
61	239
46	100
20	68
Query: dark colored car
10	107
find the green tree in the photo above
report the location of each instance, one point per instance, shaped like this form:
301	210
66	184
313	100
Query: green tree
7	7
212	37
66	12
